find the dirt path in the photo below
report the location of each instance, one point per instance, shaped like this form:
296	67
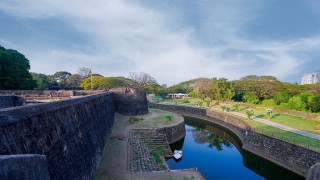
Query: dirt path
114	161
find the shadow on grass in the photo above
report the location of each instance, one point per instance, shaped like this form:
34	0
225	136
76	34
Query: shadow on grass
261	116
241	109
276	115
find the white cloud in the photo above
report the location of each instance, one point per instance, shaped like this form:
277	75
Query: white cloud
129	36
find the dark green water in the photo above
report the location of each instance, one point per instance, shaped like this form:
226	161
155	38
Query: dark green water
217	154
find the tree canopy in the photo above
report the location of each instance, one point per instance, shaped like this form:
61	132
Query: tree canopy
14	70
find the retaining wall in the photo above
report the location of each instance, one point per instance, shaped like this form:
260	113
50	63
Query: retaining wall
290	156
10	101
24	166
314	172
71	133
176	132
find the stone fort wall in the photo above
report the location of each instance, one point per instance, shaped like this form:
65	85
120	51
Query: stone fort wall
287	155
10	101
71	134
129	101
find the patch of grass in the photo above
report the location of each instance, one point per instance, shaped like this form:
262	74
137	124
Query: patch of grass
169	117
186	178
158	159
283	135
288	120
185	101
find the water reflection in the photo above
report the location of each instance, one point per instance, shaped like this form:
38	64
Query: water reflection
203	136
217	153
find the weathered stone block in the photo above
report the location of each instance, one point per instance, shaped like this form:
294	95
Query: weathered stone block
10	101
24	166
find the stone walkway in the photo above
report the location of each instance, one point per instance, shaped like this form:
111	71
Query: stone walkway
280	126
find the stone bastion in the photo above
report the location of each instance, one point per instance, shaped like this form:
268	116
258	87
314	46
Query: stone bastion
60	139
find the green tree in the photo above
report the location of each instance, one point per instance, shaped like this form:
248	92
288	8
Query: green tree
193	94
281	97
113	82
184	87
236	106
42	80
60	77
269	102
269	113
14	70
296	103
249	113
251	98
264	87
207	101
223	89
314	105
203	87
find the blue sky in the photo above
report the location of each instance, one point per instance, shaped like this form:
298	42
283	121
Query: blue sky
172	40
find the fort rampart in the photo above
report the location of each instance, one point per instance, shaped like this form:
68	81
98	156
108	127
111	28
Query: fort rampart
70	135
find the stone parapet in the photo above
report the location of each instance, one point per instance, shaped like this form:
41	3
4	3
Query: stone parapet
24	166
10	101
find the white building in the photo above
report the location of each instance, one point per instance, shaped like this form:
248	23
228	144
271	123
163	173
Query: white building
312	78
178	95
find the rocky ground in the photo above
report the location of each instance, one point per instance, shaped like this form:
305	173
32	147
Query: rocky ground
132	153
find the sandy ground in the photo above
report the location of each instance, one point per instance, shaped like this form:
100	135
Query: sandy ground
113	164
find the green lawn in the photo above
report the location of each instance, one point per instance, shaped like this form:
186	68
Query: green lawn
288	120
283	135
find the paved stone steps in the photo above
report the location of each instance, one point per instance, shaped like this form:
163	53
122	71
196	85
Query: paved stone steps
143	144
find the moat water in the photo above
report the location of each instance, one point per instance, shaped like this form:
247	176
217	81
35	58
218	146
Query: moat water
217	154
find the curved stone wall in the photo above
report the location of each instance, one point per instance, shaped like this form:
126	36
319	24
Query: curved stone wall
175	132
287	155
314	172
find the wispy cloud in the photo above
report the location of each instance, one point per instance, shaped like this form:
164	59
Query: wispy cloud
124	36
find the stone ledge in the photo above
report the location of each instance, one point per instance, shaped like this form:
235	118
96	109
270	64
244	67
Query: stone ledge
24	166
